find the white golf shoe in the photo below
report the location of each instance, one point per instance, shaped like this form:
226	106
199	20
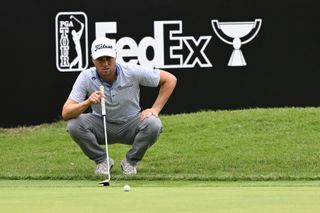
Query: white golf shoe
127	168
102	168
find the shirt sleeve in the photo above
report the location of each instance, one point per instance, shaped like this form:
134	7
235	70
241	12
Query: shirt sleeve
147	76
79	89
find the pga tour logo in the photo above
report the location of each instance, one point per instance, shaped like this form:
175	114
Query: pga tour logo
171	49
71	41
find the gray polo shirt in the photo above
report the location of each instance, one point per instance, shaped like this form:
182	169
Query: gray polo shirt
122	98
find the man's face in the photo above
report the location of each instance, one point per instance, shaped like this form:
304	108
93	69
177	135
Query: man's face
105	66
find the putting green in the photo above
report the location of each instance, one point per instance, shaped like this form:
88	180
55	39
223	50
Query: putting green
86	196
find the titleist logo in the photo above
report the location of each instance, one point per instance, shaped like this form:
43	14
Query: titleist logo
102	46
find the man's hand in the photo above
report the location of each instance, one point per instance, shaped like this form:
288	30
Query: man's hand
147	113
95	97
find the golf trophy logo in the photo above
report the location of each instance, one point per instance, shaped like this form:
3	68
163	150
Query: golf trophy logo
236	34
71	41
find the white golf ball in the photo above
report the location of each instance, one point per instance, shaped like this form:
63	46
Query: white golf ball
126	188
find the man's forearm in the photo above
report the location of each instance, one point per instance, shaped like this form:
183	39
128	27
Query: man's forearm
165	92
73	110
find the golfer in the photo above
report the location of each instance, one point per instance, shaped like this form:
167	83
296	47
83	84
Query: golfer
126	122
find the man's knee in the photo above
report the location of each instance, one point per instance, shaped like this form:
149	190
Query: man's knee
73	126
154	125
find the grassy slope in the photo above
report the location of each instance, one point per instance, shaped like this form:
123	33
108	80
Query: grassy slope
256	144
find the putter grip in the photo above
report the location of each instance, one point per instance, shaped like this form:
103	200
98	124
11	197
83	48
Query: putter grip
103	103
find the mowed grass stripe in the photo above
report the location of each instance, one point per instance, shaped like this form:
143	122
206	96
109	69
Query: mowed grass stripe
183	198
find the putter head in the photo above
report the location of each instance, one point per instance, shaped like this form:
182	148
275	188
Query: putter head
104	183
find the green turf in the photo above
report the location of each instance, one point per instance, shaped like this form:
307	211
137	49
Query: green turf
156	197
43	170
251	144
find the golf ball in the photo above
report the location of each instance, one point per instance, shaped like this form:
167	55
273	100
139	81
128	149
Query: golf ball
126	188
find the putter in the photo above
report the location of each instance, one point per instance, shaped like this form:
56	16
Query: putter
105	182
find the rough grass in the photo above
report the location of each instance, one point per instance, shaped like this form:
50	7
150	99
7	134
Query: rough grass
251	144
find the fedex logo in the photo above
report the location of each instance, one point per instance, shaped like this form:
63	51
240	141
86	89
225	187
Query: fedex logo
168	48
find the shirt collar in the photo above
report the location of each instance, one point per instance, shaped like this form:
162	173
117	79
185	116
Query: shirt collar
105	83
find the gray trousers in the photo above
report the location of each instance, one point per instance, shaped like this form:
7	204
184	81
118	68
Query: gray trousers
88	132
